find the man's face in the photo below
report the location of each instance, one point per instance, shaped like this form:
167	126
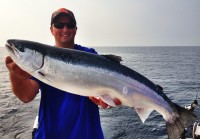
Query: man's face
64	35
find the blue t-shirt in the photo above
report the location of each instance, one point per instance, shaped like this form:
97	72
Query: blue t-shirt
67	116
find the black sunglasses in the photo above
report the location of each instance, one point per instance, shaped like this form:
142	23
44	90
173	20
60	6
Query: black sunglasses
69	25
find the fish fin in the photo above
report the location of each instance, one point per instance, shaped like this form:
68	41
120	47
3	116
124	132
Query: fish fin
159	87
143	113
113	58
41	74
107	99
185	119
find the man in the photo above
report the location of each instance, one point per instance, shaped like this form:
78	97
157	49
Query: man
61	115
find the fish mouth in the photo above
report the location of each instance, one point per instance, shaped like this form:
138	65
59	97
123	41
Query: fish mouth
9	48
12	50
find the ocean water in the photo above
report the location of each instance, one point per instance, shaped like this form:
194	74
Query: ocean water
176	69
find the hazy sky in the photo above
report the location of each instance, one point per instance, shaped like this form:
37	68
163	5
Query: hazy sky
106	22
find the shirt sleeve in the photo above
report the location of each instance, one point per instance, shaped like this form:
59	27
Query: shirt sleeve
86	49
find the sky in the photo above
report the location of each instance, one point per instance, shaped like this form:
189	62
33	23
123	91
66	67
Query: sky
106	22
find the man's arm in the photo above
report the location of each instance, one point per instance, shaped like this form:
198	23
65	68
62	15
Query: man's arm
22	86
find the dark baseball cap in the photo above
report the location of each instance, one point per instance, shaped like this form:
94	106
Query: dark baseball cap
62	11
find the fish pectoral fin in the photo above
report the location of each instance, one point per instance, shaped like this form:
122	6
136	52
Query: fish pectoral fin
41	74
107	99
143	113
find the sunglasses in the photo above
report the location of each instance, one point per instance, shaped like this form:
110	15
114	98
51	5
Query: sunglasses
69	25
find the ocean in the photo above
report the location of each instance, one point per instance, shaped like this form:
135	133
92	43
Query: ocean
176	69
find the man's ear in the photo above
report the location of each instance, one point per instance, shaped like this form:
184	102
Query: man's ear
51	29
76	30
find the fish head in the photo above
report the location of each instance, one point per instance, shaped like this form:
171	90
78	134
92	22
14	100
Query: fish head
24	55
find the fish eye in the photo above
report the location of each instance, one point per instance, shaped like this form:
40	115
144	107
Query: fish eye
20	48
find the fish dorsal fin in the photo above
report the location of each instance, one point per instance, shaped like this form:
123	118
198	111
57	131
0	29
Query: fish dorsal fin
113	58
143	113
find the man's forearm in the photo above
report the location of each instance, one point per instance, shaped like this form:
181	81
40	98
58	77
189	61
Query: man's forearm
24	89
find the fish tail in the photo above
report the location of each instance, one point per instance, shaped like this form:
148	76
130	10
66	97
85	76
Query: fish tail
185	119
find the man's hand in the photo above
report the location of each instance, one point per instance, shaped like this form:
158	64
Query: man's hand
24	88
98	101
14	70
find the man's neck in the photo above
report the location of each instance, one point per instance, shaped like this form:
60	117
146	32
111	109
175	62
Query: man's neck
71	45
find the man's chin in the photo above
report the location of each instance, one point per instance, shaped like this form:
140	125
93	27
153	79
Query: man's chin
65	41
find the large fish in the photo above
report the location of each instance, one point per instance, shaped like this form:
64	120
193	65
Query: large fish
89	74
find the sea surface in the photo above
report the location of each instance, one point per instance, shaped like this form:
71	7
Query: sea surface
176	69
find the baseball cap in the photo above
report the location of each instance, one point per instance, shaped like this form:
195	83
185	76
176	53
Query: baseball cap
62	11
